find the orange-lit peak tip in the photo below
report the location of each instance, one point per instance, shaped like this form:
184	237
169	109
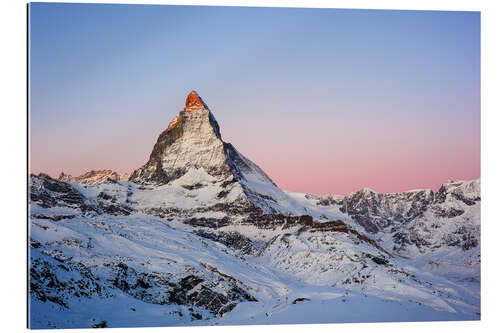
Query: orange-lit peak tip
194	102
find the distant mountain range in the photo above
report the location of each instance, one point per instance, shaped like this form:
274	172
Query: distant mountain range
94	177
201	235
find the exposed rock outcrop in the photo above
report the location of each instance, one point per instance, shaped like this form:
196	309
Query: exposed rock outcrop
93	177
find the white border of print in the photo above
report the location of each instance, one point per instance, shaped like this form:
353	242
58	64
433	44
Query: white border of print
13	133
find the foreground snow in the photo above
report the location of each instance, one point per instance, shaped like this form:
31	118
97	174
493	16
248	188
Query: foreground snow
276	277
324	305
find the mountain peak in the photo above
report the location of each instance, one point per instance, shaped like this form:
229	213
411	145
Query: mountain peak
92	177
194	102
192	142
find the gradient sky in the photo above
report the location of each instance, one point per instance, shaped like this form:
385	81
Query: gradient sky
323	100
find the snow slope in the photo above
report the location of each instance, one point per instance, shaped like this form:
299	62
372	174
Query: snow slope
163	253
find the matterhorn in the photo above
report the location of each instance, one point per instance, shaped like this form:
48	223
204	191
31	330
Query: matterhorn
192	143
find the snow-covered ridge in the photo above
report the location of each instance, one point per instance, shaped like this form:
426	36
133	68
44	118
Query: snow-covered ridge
94	177
442	227
378	211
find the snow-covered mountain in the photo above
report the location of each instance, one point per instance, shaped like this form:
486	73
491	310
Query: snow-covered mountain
418	220
439	231
193	142
94	177
200	235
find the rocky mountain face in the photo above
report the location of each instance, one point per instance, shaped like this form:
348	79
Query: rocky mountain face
201	233
376	211
94	177
192	141
418	222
